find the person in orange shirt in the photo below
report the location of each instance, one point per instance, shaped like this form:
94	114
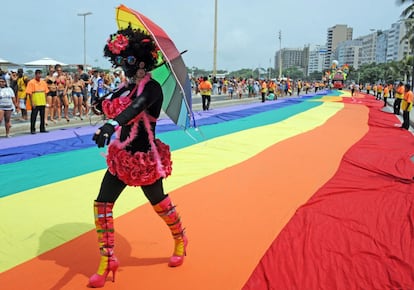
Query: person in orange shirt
272	88
205	91
374	88
386	94
399	94
316	85
406	106
299	86
391	90
289	87
379	92
368	87
263	90
36	90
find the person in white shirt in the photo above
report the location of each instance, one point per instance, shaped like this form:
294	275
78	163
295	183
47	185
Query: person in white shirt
7	100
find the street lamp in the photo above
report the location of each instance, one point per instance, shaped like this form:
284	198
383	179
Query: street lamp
84	36
280	55
215	40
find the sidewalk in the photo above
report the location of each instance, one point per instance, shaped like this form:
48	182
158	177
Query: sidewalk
20	127
390	109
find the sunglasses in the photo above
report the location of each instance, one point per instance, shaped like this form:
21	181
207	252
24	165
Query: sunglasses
119	60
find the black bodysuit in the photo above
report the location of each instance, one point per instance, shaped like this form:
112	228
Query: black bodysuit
150	100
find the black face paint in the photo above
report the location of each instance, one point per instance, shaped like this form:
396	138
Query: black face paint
130	70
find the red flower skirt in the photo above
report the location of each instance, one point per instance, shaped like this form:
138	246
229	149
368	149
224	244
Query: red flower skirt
139	168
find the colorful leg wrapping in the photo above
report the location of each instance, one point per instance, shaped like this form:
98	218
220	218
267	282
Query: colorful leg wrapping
105	230
166	210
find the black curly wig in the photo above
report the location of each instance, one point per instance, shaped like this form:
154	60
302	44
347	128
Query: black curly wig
140	45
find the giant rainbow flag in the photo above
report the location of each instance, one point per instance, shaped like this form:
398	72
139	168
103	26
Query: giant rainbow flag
314	192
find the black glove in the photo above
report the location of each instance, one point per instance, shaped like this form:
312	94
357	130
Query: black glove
104	136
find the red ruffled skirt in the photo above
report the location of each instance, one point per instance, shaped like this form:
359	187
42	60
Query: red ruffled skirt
139	168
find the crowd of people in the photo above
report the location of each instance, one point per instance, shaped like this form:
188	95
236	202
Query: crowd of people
273	89
69	94
382	91
253	87
58	95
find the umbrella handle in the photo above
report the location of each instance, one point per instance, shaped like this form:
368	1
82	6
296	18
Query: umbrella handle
96	107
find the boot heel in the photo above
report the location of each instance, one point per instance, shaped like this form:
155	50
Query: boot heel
114	268
98	281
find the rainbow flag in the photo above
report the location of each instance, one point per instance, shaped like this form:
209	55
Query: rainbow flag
299	193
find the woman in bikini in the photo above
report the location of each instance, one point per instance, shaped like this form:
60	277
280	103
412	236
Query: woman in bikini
69	84
51	97
62	99
77	96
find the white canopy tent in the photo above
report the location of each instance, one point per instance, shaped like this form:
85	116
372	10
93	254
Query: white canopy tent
6	63
46	61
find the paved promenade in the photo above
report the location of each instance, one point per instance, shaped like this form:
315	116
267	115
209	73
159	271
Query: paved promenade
23	127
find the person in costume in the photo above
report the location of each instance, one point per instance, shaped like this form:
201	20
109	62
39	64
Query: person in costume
135	157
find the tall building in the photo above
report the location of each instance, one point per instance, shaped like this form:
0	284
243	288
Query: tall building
291	57
382	46
317	55
396	48
376	47
368	48
336	34
348	52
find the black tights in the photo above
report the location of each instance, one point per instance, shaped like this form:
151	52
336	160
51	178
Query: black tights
112	187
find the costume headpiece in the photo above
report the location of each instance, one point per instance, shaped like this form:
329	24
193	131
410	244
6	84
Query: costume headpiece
129	47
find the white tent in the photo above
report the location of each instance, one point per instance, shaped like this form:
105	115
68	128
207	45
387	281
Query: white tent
4	62
46	61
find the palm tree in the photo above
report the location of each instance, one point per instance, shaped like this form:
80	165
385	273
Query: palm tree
408	17
409	11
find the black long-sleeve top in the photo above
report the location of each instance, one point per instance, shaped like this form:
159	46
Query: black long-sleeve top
150	100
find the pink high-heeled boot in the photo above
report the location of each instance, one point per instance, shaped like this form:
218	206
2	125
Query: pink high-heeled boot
105	229
166	210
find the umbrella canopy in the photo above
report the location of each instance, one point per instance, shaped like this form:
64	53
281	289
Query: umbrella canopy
4	62
46	61
172	75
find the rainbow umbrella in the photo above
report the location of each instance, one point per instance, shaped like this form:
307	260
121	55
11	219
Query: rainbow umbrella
171	74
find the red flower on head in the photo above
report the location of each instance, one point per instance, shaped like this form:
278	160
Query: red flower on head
117	43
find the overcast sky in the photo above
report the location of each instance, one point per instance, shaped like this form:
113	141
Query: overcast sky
247	29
